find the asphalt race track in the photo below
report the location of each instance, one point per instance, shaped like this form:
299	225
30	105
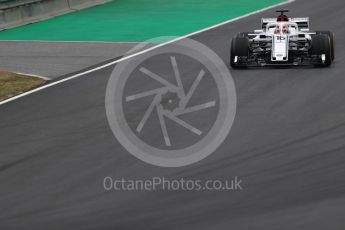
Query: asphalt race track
55	59
287	144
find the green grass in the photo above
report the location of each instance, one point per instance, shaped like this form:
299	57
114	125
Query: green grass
12	84
136	20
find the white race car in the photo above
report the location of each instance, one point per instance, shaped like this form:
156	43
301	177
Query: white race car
282	41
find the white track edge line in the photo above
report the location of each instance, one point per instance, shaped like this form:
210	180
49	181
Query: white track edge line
141	52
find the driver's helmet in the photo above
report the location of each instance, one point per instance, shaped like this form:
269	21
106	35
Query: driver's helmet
282	18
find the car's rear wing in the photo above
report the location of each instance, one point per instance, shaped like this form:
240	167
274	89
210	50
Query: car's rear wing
303	23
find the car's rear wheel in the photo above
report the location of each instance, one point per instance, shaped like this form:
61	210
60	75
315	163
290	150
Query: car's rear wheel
321	45
332	38
239	48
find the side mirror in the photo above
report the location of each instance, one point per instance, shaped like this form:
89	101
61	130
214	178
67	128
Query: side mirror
258	31
305	30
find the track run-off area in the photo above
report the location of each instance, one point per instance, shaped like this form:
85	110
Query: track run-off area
135	21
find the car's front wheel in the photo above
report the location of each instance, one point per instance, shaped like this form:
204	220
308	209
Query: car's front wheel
321	46
239	48
332	40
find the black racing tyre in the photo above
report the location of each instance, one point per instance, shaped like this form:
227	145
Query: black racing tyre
321	44
239	48
332	37
245	34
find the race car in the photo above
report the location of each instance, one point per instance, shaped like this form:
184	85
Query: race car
283	41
